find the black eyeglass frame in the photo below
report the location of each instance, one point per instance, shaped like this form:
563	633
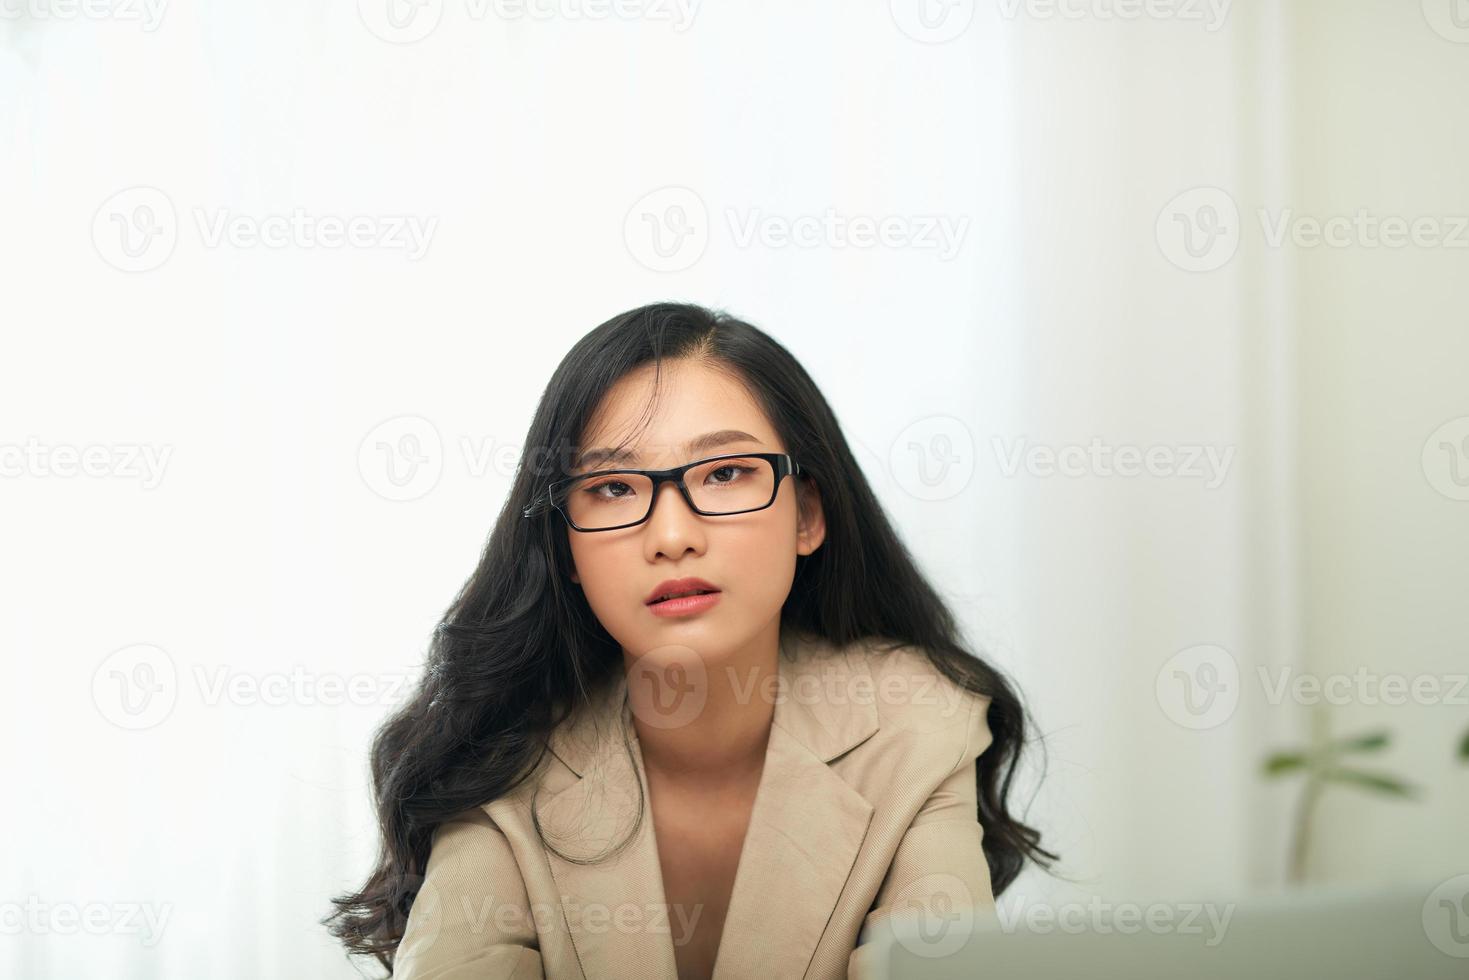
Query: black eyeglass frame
782	463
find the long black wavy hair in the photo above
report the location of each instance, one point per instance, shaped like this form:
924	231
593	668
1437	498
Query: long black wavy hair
519	648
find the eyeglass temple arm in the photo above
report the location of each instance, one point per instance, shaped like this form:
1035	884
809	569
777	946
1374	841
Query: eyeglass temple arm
537	505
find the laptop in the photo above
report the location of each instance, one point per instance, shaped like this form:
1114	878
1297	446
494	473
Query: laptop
1396	933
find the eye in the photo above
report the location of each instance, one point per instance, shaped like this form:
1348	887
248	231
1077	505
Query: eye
733	469
594	490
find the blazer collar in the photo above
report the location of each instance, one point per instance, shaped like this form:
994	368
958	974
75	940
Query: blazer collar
805	828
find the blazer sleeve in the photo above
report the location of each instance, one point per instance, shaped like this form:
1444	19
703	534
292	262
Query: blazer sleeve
472	916
939	867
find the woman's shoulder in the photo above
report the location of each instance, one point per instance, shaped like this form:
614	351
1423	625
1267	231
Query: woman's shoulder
909	689
919	709
924	724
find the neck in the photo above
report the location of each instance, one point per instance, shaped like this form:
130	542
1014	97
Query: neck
725	740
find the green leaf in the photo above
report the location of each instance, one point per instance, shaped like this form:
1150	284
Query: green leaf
1464	748
1362	743
1285	762
1376	782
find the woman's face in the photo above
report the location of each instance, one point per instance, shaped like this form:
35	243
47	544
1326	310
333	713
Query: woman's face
750	558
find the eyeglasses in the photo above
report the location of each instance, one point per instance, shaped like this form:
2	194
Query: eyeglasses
606	500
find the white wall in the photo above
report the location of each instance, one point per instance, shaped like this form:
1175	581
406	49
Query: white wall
1385	363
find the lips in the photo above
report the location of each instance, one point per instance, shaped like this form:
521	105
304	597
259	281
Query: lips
678	587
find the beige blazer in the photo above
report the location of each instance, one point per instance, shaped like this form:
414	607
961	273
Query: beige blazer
865	808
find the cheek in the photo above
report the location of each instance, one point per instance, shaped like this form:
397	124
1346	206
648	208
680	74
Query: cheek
759	565
601	567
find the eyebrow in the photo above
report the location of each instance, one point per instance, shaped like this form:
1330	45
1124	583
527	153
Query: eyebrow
698	444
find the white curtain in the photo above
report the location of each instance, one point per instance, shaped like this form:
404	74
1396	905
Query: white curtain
999	235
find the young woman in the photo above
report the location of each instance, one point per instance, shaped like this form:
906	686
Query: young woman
696	713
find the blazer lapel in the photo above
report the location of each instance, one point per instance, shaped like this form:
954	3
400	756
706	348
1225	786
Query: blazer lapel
806	828
615	907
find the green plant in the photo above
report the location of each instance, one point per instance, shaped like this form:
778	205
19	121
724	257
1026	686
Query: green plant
1325	765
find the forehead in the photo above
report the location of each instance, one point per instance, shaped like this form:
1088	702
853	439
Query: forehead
691	400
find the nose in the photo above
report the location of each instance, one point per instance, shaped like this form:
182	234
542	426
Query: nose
673	529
